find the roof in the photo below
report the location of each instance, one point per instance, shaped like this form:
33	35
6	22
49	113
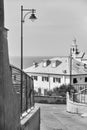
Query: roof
80	55
61	69
84	57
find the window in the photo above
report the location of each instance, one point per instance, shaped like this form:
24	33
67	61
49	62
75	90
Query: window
74	80
57	80
39	91
54	80
42	78
55	63
45	91
85	79
14	77
73	49
46	63
45	79
35	77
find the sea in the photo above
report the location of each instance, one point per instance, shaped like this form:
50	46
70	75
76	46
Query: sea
27	61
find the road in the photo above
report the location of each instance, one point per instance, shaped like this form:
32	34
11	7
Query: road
55	117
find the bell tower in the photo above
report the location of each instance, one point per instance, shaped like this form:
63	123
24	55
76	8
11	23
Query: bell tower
74	48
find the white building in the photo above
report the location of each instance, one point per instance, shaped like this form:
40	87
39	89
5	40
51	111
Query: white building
51	73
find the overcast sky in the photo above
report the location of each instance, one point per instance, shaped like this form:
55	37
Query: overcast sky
59	21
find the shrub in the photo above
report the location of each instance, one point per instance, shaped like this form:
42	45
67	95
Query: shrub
61	91
43	101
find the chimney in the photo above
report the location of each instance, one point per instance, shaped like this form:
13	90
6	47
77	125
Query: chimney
35	64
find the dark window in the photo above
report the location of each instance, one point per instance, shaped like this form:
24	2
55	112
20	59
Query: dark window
85	79
39	91
73	49
74	80
57	80
45	91
14	77
45	79
35	77
42	78
54	80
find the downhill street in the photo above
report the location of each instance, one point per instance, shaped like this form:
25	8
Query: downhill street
55	117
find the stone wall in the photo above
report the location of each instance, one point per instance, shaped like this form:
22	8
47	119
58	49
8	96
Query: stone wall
9	103
32	120
50	99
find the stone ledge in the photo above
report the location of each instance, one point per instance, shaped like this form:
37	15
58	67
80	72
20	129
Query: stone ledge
31	120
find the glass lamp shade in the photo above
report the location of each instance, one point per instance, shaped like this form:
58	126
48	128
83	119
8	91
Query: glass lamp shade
33	17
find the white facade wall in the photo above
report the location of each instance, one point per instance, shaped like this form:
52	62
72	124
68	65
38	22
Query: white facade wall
56	84
41	84
66	80
50	84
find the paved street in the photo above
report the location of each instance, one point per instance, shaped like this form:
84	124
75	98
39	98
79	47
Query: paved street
55	117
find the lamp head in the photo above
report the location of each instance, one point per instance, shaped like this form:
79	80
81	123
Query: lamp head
33	17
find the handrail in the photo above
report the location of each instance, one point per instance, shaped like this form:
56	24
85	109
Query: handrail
81	91
28	88
80	97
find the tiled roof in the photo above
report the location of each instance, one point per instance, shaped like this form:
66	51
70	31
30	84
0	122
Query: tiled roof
61	69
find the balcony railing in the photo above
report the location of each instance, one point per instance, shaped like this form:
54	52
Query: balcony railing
27	89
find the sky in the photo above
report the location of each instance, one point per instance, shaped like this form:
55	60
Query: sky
58	22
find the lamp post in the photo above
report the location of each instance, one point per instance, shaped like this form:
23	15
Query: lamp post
70	67
23	16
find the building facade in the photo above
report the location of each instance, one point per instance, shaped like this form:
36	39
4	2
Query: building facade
51	73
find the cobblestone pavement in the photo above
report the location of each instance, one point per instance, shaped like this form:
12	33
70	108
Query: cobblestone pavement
55	117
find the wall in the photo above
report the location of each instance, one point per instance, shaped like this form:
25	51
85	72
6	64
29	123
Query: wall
74	107
80	79
32	120
50	99
49	85
56	84
9	102
41	84
65	79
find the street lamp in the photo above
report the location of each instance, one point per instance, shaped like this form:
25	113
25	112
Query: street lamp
70	67
32	17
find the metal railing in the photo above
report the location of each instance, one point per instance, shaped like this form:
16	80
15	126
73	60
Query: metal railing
27	98
81	95
80	87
